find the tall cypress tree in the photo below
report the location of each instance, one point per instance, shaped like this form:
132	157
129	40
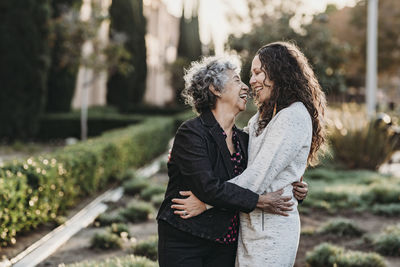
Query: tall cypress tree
127	17
189	45
64	66
25	57
189	49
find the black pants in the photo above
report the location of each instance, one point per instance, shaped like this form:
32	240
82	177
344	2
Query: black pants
180	249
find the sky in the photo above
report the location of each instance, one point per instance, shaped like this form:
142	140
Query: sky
213	15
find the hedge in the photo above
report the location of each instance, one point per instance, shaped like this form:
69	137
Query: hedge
38	189
63	125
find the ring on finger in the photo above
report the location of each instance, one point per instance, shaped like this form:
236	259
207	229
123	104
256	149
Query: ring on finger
184	213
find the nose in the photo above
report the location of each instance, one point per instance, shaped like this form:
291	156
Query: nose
245	87
252	80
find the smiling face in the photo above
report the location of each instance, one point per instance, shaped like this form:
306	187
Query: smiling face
235	92
260	83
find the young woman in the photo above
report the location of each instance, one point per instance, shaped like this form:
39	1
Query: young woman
285	136
207	151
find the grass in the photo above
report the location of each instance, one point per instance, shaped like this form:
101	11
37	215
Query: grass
328	255
341	227
333	189
126	261
120	229
106	240
147	248
137	211
106	219
388	242
151	191
135	186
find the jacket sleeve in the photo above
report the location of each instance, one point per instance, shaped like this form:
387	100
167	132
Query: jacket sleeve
285	137
190	153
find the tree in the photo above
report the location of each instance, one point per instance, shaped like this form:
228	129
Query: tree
189	45
325	54
25	58
127	88
189	49
64	58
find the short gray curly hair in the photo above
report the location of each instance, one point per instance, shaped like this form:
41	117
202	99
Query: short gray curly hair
201	74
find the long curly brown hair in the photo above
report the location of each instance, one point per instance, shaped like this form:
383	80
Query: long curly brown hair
293	81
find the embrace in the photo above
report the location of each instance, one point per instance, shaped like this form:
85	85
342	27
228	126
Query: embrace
232	195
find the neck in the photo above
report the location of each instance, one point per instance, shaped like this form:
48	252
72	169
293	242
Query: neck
225	117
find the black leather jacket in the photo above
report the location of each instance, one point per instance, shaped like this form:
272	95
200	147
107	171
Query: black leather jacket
200	162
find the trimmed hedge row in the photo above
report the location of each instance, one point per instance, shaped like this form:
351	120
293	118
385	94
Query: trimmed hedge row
63	125
40	188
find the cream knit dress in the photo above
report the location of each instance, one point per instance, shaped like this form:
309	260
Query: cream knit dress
277	158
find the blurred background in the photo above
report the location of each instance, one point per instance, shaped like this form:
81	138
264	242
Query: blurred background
90	92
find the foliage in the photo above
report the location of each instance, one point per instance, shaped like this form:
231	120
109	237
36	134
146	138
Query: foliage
189	45
341	227
325	54
106	240
38	189
137	211
25	59
388	25
157	200
105	219
177	70
389	210
126	261
151	191
128	22
327	255
388	242
135	186
362	143
63	125
63	71
189	49
147	248
119	229
337	189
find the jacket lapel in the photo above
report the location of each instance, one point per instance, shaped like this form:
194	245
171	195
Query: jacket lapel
223	148
209	120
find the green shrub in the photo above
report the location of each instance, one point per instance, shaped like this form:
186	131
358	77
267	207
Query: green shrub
129	175
327	255
40	188
126	261
390	210
157	199
135	186
106	240
341	227
119	229
388	242
147	248
63	125
381	194
137	211
151	191
367	145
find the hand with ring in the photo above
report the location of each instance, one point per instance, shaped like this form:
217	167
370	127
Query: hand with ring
188	207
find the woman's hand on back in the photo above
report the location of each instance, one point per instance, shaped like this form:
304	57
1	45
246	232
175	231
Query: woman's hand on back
188	207
300	189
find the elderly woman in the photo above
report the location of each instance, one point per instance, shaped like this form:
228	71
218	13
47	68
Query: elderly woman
208	151
285	136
